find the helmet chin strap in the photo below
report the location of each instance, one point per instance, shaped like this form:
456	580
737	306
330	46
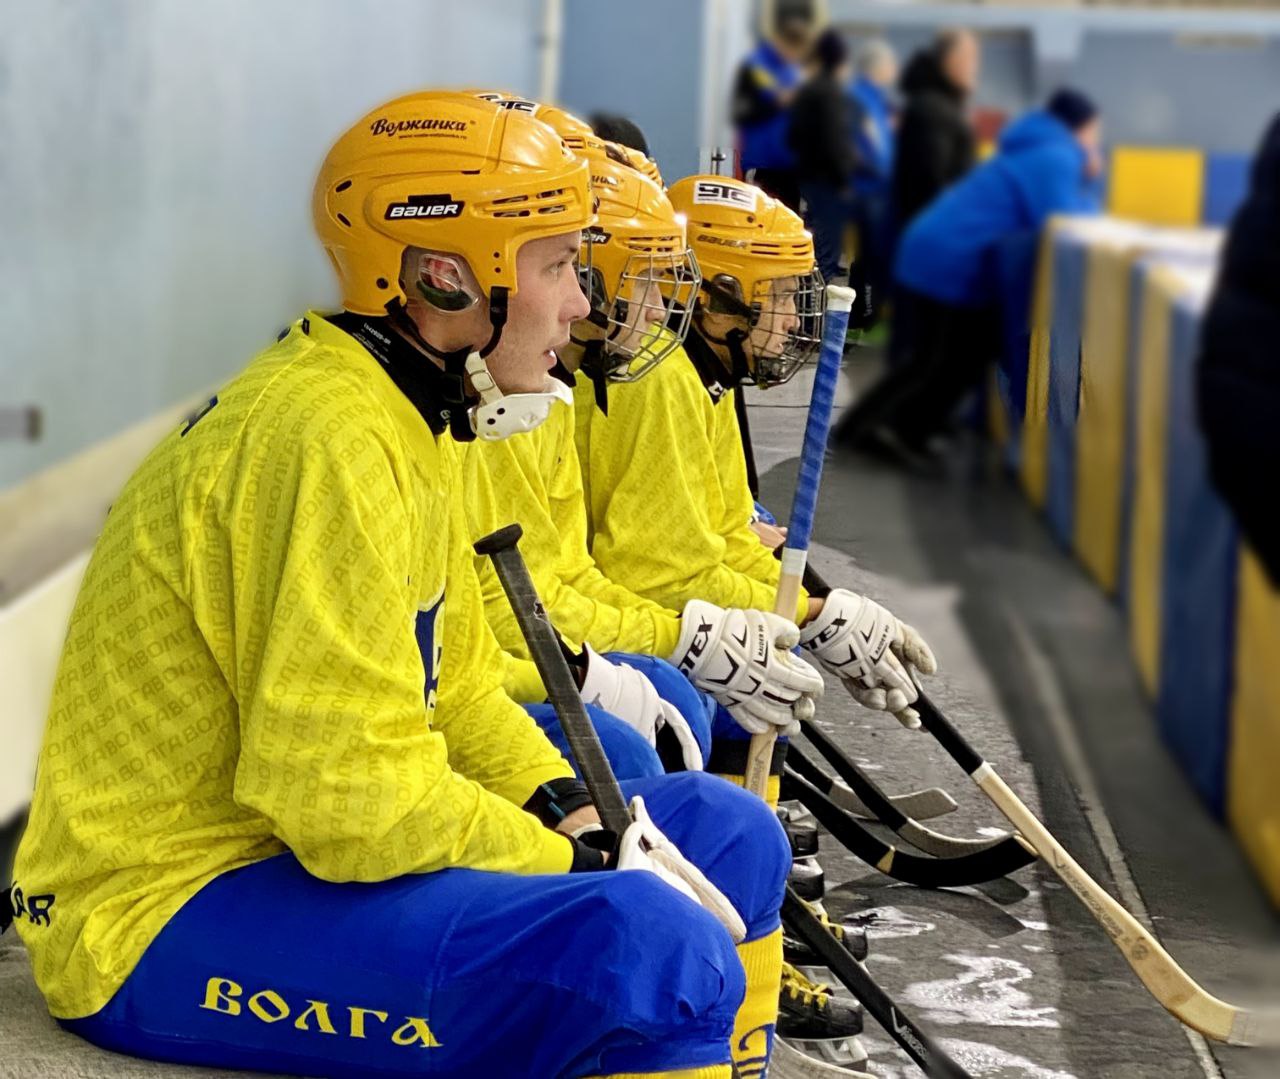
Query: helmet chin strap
461	363
593	367
739	369
732	341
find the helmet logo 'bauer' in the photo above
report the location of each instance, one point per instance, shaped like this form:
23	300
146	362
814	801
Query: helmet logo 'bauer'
722	194
594	234
426	206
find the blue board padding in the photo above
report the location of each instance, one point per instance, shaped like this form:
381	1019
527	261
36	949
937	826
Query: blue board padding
1065	327
1197	627
1226	182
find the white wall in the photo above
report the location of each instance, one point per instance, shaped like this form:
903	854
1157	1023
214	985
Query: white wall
156	163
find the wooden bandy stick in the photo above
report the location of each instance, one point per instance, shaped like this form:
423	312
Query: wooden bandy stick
1173	987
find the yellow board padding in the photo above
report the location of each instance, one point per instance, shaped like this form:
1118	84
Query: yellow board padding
1035	424
1253	805
1159	185
713	1071
1100	423
1151	421
997	415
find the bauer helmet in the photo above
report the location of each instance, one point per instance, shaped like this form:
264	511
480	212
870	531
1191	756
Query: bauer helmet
454	175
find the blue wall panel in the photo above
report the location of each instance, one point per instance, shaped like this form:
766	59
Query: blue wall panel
1197	631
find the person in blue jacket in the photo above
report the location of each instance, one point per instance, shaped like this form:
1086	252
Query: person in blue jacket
1047	162
874	121
763	93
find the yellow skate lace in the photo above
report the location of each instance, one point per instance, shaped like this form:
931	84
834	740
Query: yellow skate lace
800	988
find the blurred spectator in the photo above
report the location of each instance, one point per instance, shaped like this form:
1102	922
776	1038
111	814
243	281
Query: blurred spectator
762	97
876	70
821	140
619	129
1046	162
935	140
1239	366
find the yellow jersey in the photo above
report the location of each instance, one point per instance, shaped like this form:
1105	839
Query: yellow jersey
668	503
279	644
534	479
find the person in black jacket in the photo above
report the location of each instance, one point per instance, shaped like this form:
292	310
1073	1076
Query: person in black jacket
1239	366
936	147
935	142
821	138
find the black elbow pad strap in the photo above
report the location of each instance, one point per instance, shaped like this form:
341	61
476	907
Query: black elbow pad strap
556	799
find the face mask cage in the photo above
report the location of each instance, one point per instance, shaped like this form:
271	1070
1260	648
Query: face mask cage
650	314
786	326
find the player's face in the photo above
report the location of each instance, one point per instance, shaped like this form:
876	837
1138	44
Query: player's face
645	306
547	301
778	320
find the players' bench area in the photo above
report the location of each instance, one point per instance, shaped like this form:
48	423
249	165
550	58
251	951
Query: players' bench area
50	523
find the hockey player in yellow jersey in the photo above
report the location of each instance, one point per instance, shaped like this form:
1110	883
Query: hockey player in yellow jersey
673	441
642	281
637	252
286	818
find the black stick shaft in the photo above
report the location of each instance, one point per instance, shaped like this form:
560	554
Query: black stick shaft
502	548
917	1045
933	721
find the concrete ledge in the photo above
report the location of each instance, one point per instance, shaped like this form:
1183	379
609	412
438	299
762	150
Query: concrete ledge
49	519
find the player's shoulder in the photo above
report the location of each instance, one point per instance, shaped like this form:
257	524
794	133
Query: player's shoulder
318	386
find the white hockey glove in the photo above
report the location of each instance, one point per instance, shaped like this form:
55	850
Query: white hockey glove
743	659
644	846
869	650
626	693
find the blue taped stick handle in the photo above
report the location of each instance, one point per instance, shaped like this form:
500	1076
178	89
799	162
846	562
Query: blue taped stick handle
818	426
803	506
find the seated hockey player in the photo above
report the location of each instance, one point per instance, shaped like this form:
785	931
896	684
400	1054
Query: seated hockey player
286	818
643	281
673	442
642	284
638	256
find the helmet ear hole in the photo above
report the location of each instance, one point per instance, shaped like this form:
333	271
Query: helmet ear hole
440	280
724	295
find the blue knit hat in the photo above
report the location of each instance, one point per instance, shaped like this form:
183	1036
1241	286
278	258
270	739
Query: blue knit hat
1071	107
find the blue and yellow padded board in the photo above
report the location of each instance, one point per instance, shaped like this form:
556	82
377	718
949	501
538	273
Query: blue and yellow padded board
1198	576
1035	431
1253	804
1146	527
1070	259
1100	424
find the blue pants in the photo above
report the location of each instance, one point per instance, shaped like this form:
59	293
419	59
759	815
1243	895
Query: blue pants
459	972
628	752
630	756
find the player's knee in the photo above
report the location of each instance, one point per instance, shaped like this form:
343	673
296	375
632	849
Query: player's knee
672	962
738	842
629	754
